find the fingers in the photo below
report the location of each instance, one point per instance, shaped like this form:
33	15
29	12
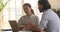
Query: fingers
28	26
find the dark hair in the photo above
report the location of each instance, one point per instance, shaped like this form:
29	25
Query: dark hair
27	4
45	3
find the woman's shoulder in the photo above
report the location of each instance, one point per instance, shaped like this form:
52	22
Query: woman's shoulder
23	17
35	16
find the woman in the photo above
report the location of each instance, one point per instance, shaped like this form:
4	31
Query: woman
29	17
50	21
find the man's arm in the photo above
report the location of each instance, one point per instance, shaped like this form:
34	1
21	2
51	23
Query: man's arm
43	24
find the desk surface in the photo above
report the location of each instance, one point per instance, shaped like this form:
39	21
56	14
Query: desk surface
6	30
10	30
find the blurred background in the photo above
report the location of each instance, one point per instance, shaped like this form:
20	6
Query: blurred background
13	10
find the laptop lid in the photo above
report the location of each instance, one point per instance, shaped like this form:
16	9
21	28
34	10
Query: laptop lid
14	25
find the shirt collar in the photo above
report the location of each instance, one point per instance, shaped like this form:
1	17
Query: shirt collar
30	16
47	10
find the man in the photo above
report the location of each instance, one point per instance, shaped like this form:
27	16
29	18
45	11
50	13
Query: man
50	21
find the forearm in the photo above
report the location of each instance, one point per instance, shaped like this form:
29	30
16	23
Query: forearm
37	30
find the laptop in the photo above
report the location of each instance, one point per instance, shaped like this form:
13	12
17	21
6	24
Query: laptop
14	25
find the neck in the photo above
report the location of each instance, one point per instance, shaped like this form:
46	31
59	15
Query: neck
29	14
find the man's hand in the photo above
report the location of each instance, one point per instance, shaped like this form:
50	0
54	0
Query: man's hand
31	27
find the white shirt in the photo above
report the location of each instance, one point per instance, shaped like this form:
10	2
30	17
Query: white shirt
50	21
28	19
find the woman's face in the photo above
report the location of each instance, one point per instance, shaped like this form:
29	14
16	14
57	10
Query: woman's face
27	10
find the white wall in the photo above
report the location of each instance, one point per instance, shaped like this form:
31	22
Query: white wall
0	19
55	3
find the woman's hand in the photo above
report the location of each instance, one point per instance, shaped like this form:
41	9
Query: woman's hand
31	27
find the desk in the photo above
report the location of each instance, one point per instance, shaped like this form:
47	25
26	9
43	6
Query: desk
10	30
6	30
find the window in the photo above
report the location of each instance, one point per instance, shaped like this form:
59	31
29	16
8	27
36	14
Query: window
13	11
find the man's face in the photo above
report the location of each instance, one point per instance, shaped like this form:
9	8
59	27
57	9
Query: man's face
40	6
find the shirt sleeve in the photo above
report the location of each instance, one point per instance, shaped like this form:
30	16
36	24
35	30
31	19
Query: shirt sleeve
37	20
20	22
43	24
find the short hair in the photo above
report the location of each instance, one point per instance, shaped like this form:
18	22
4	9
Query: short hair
45	3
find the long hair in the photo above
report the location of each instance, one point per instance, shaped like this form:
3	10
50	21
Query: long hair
28	5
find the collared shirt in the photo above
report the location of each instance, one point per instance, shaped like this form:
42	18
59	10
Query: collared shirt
50	21
28	19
